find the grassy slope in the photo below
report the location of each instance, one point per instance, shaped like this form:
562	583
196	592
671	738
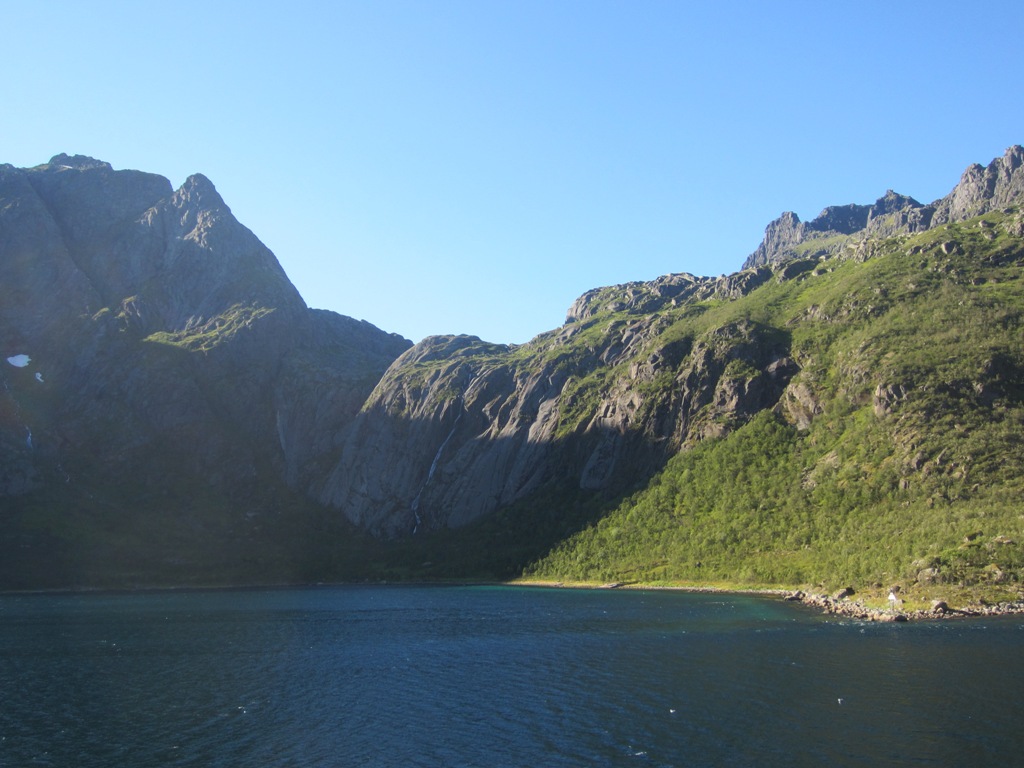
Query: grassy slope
859	498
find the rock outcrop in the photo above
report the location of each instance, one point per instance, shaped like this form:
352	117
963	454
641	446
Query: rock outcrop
159	373
458	428
840	605
983	189
837	228
165	346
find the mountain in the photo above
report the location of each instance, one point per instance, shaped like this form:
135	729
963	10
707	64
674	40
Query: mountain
166	390
867	398
476	426
839	229
846	408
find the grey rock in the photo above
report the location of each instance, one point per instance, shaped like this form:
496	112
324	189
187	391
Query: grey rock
458	428
838	228
799	404
983	189
170	337
167	338
886	397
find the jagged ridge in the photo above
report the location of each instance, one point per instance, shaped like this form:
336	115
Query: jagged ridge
175	353
620	379
175	373
841	228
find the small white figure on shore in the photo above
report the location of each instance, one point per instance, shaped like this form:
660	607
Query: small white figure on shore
895	602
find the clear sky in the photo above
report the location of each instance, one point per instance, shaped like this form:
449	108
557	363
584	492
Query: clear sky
473	166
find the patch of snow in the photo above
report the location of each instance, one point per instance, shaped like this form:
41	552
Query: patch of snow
39	377
19	361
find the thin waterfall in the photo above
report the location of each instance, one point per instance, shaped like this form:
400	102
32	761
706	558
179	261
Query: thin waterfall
430	475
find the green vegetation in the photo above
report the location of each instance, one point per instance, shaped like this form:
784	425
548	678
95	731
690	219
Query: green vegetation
766	507
908	468
215	331
890	450
912	472
903	464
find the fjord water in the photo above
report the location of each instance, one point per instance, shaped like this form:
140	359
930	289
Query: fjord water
495	676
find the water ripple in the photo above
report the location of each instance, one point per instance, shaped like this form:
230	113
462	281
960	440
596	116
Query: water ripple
408	676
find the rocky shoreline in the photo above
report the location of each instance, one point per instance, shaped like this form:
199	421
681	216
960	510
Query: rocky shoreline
840	604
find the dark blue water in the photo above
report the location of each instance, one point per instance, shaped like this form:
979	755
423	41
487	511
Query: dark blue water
476	676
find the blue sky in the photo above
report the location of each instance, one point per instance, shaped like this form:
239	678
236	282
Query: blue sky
473	167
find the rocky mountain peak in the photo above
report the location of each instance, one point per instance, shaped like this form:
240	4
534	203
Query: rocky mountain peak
844	219
77	163
891	202
779	236
164	334
198	192
981	189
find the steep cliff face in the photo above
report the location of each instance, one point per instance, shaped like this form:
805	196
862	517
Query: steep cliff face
149	341
458	428
840	229
452	431
983	189
168	403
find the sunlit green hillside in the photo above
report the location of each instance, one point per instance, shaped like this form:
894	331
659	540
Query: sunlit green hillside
910	467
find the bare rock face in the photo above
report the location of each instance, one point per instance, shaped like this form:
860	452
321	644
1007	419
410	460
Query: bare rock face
162	338
666	291
152	349
800	405
887	397
893	214
638	297
780	236
458	428
447	436
981	189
